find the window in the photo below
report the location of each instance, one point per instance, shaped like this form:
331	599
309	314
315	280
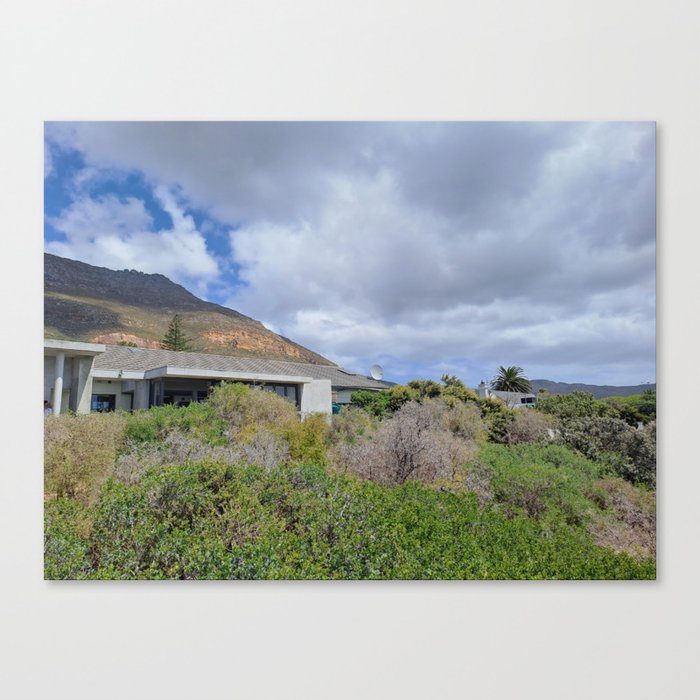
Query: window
102	403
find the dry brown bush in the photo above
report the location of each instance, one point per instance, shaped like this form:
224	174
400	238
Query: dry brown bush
413	444
527	425
265	449
80	451
477	478
632	527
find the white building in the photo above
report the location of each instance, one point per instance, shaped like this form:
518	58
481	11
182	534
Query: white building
84	377
513	399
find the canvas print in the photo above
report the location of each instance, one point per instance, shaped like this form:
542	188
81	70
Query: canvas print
349	350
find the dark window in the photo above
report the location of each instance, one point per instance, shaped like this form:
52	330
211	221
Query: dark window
103	402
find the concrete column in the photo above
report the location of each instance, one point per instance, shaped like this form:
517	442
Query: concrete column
58	382
316	397
81	392
141	394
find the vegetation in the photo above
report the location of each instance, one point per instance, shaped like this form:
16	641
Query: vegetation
511	379
439	485
175	338
638	408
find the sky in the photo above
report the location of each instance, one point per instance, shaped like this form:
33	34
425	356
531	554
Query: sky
430	248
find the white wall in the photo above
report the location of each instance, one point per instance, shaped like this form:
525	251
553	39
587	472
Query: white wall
316	397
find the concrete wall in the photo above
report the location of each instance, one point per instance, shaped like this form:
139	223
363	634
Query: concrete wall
315	397
81	384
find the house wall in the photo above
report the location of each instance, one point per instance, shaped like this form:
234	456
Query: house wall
315	397
113	386
344	395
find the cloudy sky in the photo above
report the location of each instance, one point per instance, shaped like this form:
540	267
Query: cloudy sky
427	247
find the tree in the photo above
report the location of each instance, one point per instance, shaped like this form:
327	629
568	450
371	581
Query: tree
511	379
175	338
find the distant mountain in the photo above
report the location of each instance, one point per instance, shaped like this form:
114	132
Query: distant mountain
599	392
95	304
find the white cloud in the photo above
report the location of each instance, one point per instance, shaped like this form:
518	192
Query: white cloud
119	233
527	244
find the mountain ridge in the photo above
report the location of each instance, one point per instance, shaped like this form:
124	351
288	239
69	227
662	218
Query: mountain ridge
599	391
96	304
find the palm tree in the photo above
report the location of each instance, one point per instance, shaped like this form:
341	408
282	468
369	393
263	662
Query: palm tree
511	379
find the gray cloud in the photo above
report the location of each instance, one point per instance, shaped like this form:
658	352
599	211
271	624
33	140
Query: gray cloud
524	243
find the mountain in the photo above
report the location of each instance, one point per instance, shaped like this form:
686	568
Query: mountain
98	305
599	392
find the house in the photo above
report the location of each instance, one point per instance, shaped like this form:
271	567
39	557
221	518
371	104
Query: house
84	377
513	399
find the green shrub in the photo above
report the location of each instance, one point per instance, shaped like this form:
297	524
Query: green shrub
307	439
627	452
533	480
216	521
244	408
636	408
66	540
198	420
376	403
579	404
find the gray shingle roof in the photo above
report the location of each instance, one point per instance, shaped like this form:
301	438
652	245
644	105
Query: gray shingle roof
142	359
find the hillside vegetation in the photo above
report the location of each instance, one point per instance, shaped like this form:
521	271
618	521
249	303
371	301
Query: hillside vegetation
429	485
95	304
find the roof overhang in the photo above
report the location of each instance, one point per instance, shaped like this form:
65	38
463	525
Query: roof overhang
199	373
72	348
99	373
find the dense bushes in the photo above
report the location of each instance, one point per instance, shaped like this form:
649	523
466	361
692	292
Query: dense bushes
627	452
241	488
218	521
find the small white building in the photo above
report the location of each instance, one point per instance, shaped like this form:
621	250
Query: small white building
84	377
512	399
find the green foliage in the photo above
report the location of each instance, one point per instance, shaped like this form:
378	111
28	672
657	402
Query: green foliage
127	344
66	540
400	395
637	408
626	452
175	338
597	430
215	521
246	410
454	391
376	403
579	404
535	480
197	420
425	388
511	379
497	418
307	439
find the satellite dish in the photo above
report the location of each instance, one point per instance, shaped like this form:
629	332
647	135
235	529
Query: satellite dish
377	372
